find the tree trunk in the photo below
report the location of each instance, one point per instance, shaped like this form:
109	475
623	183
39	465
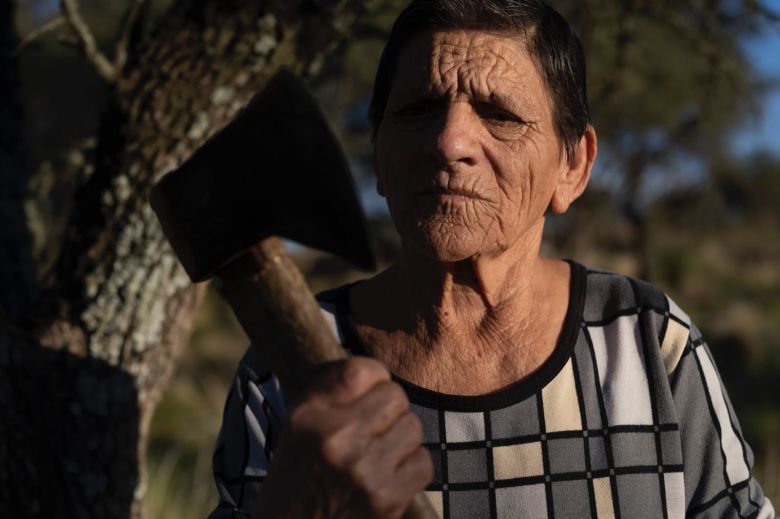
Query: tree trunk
83	366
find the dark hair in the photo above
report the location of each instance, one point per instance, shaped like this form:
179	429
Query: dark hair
551	41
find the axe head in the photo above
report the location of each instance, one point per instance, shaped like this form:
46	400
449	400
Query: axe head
276	169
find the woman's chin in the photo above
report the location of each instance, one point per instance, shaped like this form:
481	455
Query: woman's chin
450	247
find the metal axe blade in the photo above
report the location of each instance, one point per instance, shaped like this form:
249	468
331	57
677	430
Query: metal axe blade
276	169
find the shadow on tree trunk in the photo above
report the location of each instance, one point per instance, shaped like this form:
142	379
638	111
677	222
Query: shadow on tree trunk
74	440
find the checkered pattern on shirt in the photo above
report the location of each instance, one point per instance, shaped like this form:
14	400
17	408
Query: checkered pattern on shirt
634	423
566	451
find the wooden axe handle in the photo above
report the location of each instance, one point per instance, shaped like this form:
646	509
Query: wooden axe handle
281	317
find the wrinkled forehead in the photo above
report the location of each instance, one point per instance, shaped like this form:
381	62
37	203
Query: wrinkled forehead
479	64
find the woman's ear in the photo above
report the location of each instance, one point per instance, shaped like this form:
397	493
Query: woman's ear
574	178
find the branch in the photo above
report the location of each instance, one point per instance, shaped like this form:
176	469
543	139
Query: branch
103	66
51	25
758	7
131	18
623	39
767	13
696	37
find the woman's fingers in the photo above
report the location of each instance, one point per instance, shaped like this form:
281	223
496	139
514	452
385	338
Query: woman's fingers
355	429
378	409
398	442
416	470
400	450
345	381
360	424
389	481
396	460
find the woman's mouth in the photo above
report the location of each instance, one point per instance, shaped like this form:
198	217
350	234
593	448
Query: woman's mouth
452	194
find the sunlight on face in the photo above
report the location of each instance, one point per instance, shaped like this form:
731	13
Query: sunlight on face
467	153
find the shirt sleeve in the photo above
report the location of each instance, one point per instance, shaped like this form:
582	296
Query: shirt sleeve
717	459
253	417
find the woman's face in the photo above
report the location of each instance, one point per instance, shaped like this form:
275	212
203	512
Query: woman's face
467	154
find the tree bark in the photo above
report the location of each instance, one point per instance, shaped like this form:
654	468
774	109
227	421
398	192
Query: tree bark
83	366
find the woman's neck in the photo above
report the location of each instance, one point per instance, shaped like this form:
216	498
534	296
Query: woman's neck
487	314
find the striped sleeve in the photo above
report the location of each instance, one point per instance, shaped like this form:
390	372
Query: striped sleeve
252	420
251	425
717	460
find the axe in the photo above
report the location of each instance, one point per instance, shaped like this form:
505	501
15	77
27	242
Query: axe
275	170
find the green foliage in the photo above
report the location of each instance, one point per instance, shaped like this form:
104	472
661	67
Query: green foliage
180	487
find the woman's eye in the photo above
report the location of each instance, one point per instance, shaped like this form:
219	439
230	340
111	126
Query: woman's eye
496	114
416	110
412	110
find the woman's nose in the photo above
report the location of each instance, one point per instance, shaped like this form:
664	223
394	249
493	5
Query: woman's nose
456	137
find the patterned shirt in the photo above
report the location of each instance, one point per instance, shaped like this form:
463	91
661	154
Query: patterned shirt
628	418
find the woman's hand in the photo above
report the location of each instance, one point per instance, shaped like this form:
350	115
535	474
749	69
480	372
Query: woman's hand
351	449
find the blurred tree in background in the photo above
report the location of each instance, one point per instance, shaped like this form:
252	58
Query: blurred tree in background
85	271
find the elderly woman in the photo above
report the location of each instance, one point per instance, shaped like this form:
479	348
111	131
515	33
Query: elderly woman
504	383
